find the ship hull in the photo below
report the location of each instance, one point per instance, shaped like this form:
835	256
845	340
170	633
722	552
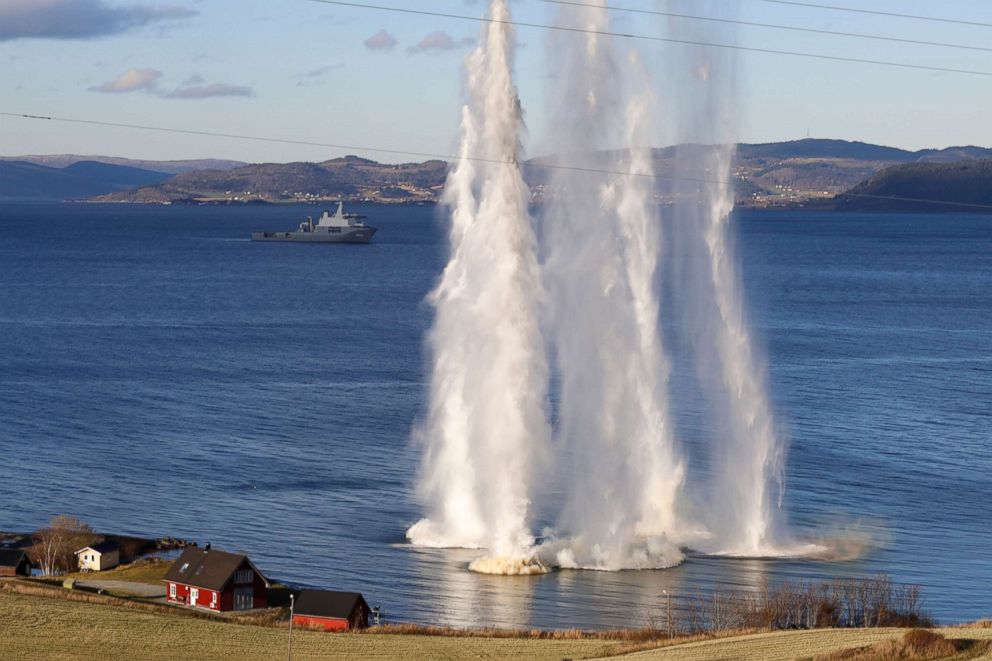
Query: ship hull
355	235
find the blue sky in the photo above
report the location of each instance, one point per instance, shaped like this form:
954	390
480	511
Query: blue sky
302	70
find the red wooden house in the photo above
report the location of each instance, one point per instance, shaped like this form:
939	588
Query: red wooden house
215	580
331	611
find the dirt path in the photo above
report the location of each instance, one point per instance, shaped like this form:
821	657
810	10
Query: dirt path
146	590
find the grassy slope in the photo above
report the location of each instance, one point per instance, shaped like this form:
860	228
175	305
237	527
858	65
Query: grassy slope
148	571
785	645
34	627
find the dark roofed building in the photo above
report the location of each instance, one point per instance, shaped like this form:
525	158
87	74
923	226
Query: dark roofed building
215	580
14	562
331	611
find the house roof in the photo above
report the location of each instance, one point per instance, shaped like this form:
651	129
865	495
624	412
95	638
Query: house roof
324	603
11	557
106	546
208	568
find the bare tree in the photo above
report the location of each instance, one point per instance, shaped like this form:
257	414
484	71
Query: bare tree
55	546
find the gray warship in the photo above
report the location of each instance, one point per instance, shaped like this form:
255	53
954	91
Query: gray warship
339	227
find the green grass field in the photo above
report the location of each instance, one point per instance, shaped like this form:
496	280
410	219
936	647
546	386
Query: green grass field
142	571
38	626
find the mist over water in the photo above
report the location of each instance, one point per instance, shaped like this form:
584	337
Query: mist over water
486	422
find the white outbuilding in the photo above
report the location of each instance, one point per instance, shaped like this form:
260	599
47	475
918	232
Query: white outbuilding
105	555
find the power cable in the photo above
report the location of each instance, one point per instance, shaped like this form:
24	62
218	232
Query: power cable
447	157
774	26
689	42
876	12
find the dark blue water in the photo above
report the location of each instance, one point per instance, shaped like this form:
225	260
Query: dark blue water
162	375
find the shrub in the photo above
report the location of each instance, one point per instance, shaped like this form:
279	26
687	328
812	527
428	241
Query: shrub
914	645
927	644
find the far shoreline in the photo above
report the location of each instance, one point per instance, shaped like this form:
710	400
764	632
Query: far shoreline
800	207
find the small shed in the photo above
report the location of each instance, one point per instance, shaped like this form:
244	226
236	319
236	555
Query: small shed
14	562
331	611
105	555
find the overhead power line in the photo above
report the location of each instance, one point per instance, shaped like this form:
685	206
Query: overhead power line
775	26
875	12
689	42
446	157
233	136
356	148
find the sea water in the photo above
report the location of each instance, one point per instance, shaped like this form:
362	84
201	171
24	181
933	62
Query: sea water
161	375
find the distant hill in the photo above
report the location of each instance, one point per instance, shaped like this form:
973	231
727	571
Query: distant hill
921	187
350	177
83	179
783	173
171	167
820	148
800	171
779	174
952	154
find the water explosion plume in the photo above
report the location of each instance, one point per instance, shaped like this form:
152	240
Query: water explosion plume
747	451
486	423
603	244
621	477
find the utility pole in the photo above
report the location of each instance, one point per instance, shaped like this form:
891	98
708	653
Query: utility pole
289	653
668	609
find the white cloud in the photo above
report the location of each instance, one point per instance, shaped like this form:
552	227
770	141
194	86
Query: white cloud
381	40
208	91
147	80
132	80
438	41
78	19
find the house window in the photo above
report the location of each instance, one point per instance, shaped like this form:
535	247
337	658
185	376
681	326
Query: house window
243	576
172	590
244	598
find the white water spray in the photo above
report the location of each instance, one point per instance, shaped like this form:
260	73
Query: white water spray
749	464
615	440
747	450
486	424
616	461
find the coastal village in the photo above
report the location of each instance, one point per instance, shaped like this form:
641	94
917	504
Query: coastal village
174	574
163	598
